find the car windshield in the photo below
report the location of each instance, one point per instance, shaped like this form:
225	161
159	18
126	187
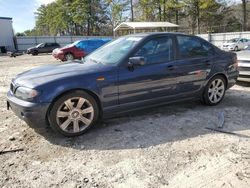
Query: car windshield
73	44
233	40
40	45
114	51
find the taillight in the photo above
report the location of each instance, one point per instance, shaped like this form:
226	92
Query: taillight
235	62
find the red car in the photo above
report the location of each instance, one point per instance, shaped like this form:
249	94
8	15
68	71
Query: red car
78	49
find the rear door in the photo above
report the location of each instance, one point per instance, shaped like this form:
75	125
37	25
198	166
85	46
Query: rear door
48	47
195	58
42	48
153	80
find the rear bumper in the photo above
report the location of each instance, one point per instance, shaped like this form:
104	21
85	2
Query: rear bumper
31	113
232	78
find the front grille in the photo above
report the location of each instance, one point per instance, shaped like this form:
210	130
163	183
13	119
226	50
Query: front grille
244	61
244	68
244	76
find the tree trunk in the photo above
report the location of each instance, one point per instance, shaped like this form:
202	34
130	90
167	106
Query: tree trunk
89	18
132	10
244	10
198	17
159	8
176	14
176	17
164	10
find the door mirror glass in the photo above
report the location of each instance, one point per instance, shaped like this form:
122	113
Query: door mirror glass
136	61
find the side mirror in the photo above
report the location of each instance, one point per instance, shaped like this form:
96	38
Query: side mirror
136	61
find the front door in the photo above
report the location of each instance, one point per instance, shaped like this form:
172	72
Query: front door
154	79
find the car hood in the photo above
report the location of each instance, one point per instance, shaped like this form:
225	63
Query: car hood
244	55
67	47
31	48
44	74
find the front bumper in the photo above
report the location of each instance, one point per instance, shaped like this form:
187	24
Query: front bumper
58	55
244	74
228	48
31	113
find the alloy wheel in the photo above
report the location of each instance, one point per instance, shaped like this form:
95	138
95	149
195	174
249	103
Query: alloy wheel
216	90
75	115
69	57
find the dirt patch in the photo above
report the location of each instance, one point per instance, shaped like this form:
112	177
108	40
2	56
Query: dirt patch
160	147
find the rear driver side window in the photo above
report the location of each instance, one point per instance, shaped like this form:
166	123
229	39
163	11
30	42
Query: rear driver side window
192	47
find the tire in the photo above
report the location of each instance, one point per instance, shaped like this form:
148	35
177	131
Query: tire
214	91
35	52
73	113
236	48
69	57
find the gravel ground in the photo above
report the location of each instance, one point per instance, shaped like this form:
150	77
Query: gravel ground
161	147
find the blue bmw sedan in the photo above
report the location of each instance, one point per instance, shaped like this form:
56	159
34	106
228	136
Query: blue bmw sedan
128	73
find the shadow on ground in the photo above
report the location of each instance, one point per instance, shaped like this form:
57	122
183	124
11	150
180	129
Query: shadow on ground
155	126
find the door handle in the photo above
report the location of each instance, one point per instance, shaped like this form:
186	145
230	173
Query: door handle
207	62
171	67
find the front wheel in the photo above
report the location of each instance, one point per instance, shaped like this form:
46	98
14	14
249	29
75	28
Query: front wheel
69	57
35	52
73	113
215	90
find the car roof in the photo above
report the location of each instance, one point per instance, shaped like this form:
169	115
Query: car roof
156	33
95	39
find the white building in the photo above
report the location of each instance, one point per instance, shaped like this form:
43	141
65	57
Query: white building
6	34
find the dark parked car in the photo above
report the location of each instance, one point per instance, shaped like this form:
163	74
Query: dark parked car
129	73
47	47
78	49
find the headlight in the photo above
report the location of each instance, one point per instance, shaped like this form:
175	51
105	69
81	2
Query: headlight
59	51
25	93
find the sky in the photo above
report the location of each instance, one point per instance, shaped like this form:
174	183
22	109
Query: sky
22	12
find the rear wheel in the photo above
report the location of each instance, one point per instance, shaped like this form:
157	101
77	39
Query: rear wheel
215	90
69	57
73	113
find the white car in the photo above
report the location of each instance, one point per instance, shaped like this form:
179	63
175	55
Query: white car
244	64
236	44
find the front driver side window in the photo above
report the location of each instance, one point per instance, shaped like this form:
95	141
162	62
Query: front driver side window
158	50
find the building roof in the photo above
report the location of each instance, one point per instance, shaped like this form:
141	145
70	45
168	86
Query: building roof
143	25
5	18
